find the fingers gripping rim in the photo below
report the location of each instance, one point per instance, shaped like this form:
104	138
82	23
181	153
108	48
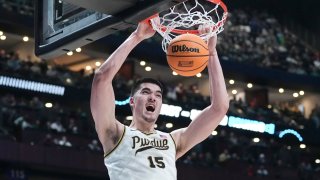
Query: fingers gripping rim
148	20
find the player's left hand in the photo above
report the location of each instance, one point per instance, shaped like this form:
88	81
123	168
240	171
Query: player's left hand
212	42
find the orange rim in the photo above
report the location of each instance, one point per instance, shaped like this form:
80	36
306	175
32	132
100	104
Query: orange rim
147	20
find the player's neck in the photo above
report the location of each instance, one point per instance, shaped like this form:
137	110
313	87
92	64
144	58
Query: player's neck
145	127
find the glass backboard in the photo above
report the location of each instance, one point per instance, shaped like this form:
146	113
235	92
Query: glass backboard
64	25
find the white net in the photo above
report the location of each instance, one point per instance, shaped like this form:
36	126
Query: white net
186	17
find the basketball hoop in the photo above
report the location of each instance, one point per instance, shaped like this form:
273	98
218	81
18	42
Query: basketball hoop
186	17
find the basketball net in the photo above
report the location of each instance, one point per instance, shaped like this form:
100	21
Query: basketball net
186	17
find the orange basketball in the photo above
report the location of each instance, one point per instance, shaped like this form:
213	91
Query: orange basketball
187	54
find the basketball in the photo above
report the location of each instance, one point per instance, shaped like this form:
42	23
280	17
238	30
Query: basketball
187	54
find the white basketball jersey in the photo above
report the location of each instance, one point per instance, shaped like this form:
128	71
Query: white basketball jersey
139	156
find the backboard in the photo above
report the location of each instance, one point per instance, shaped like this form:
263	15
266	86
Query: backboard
64	25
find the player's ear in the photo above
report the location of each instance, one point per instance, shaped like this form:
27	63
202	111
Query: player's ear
131	102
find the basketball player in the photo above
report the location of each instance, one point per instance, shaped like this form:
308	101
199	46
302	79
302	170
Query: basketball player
139	152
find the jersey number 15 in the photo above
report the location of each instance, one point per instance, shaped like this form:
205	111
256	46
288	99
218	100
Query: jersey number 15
156	162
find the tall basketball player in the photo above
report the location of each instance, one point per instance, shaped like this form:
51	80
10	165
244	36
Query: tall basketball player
139	151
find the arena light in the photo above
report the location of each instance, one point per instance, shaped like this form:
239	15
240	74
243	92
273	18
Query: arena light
78	50
1	33
234	92
250	125
295	95
291	131
122	103
301	93
185	113
70	53
281	90
174	73
170	110
25	38
269	106
142	63
194	113
48	105
231	81
129	118
224	121
249	85
199	75
169	125
88	68
3	37
231	121
317	161
289	147
148	68
31	85
302	146
256	140
68	80
98	63
214	133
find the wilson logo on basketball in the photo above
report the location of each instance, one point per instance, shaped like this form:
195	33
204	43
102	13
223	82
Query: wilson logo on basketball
184	48
185	63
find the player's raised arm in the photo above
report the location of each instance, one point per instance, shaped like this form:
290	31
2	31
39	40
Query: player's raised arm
102	102
203	125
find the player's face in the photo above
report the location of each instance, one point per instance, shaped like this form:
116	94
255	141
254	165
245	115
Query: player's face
147	102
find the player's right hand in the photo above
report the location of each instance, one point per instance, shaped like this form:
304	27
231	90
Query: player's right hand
145	30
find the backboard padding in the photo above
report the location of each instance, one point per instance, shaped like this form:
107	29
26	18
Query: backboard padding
104	6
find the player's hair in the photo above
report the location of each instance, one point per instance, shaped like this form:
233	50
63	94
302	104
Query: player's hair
137	84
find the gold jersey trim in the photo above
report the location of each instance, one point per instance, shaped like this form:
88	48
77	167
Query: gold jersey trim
148	134
107	154
174	142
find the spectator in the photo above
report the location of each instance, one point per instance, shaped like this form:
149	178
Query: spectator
63	141
94	146
315	117
22	123
14	62
250	171
57	126
262	171
171	93
72	126
224	157
180	91
262	158
36	103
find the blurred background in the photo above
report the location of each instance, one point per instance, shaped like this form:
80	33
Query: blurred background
270	55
